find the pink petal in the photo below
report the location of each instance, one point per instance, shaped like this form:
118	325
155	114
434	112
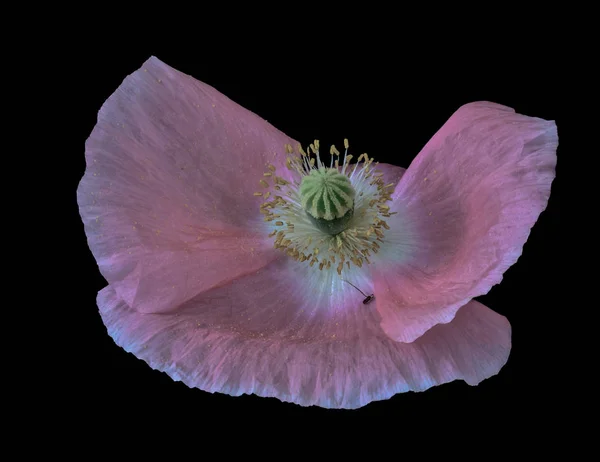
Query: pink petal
297	335
391	173
167	198
465	208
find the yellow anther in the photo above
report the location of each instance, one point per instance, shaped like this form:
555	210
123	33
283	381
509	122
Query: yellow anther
355	244
258	194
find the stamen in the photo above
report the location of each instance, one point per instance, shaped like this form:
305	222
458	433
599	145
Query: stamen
315	192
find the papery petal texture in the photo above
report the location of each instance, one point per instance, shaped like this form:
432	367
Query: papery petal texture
464	209
167	197
290	333
197	290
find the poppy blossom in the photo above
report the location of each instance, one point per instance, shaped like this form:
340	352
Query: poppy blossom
240	262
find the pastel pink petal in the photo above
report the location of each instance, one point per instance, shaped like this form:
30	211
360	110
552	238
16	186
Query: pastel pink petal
391	173
167	197
465	208
287	332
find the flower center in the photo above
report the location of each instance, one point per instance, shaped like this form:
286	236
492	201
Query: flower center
328	198
326	215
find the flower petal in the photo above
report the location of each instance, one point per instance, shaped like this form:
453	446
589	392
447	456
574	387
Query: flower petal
167	198
391	173
305	337
465	208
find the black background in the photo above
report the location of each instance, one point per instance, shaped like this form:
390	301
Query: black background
388	104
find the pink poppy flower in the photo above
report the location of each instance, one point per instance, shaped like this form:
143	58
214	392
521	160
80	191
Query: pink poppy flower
240	263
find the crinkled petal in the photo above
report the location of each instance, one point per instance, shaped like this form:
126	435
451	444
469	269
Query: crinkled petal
167	198
305	337
465	208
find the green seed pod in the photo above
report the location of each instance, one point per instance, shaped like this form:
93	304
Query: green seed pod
328	196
